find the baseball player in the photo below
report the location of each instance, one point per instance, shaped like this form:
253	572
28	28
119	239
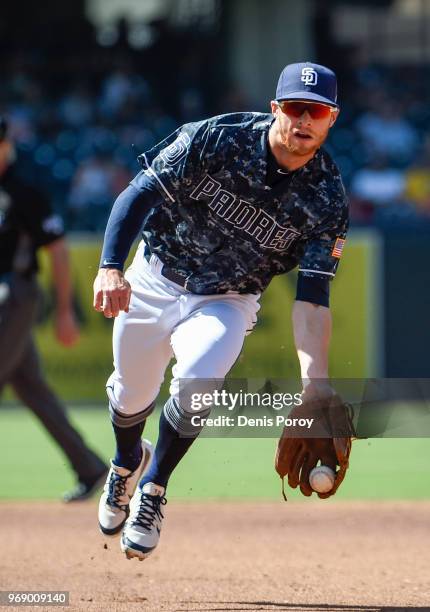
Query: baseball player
27	224
224	205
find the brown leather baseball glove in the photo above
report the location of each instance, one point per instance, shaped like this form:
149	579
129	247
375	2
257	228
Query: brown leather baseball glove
328	441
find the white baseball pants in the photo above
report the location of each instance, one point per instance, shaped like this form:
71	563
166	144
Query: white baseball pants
205	334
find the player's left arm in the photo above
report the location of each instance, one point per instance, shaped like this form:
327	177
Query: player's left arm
312	331
312	323
296	454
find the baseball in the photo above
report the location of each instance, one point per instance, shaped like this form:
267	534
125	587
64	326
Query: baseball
322	479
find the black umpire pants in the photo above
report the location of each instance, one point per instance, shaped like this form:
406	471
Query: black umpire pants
20	367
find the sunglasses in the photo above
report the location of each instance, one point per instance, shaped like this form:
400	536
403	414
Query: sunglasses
296	109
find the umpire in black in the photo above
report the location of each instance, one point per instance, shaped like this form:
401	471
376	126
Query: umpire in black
26	224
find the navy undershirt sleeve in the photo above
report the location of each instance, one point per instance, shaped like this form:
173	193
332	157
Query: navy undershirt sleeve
314	290
126	219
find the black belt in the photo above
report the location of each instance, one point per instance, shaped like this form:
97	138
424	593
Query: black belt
168	273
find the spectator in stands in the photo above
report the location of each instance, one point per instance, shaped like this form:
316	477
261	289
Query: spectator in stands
76	108
94	187
120	89
385	131
378	183
417	182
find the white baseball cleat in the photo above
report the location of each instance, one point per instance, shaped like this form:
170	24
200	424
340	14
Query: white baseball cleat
142	528
119	488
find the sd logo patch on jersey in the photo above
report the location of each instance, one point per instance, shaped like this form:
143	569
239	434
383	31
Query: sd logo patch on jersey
173	154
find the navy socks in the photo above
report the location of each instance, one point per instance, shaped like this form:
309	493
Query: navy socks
128	445
169	451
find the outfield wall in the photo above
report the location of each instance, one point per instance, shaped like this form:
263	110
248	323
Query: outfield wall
407	303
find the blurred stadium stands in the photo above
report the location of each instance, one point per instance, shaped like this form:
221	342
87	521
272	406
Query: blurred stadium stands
83	98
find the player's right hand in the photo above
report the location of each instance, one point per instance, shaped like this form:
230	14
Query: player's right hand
112	292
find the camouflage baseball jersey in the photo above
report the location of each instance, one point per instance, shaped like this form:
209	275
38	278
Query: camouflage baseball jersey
221	226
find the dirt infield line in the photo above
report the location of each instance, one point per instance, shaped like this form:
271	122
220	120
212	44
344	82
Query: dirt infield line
228	556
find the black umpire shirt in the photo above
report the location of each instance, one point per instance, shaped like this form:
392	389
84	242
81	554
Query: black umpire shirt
26	223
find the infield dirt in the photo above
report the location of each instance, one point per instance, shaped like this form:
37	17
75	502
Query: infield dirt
227	556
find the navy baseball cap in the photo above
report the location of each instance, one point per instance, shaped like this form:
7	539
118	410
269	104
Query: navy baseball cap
307	81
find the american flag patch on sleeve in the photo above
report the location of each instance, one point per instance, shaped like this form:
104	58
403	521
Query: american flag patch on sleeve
338	248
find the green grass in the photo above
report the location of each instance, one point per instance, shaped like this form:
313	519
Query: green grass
33	467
